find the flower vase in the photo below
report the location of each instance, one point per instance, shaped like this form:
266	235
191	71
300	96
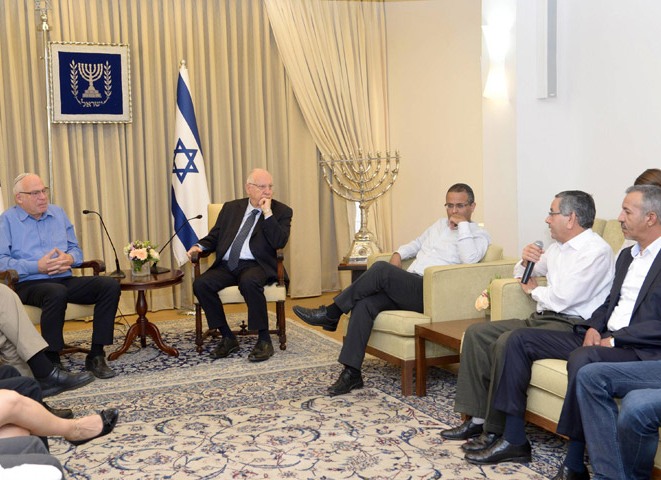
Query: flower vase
139	269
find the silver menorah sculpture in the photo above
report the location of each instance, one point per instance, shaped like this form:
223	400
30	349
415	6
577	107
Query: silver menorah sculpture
91	72
361	179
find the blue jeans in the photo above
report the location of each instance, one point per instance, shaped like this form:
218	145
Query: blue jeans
621	442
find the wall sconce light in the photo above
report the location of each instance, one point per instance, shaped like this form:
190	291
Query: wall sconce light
497	39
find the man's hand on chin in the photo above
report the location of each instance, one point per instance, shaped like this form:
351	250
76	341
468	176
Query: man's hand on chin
455	220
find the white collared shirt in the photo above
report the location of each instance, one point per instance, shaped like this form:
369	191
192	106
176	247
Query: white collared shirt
633	282
579	275
440	245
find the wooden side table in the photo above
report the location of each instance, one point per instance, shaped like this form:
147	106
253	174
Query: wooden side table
357	269
448	334
143	327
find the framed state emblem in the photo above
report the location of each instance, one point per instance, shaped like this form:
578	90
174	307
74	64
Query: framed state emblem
90	82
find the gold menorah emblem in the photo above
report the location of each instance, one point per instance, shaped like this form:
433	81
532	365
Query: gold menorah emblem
91	72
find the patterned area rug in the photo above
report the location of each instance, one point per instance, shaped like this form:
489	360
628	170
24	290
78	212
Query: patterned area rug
194	418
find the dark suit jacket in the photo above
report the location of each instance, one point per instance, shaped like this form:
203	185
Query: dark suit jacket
266	238
643	334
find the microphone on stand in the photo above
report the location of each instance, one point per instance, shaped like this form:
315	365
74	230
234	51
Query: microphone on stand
528	271
155	269
118	272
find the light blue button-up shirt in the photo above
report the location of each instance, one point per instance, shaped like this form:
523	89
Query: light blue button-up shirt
24	240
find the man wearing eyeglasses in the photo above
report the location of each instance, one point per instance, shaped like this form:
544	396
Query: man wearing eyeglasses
626	327
386	286
579	269
246	237
38	241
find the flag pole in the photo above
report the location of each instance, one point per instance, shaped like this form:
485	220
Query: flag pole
42	6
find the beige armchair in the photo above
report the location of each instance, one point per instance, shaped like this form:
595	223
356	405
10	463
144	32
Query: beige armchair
276	292
74	311
449	294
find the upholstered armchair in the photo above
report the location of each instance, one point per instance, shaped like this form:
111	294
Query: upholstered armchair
74	311
274	293
449	294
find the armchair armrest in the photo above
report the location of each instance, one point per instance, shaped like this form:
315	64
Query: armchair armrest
509	301
385	257
450	291
10	277
97	266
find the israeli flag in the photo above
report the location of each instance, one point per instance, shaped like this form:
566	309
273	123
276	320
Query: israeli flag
190	194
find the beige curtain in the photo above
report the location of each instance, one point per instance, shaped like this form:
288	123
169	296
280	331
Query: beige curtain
335	56
245	110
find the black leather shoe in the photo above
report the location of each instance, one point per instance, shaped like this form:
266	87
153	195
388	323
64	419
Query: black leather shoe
565	473
316	317
345	383
59	381
59	412
261	351
475	444
98	366
501	451
225	348
109	418
466	430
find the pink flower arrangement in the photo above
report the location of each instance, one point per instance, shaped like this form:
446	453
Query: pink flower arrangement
141	252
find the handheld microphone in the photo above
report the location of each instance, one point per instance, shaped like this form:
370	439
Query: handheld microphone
155	269
118	272
528	271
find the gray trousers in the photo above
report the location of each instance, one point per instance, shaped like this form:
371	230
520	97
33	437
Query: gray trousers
15	451
481	364
19	339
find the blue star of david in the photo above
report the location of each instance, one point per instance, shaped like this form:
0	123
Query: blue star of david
190	166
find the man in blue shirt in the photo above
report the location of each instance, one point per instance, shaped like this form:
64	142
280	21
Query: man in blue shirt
38	241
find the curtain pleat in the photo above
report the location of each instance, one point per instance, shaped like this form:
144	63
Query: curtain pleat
335	54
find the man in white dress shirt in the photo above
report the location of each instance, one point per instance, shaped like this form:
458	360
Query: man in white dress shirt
579	268
386	286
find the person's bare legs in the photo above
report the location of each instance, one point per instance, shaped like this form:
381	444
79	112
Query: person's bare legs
21	415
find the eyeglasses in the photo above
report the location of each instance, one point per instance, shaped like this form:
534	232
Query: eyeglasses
36	193
262	187
458	206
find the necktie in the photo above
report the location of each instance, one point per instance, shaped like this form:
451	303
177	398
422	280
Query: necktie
237	244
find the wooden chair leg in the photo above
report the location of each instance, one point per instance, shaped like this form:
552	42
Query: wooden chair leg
407	377
198	328
282	324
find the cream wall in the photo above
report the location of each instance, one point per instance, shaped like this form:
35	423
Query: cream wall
435	107
602	130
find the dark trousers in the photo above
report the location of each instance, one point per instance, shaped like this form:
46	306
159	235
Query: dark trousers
249	277
53	295
382	287
526	346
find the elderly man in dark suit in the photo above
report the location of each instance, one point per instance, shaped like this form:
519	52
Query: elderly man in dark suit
245	238
625	328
